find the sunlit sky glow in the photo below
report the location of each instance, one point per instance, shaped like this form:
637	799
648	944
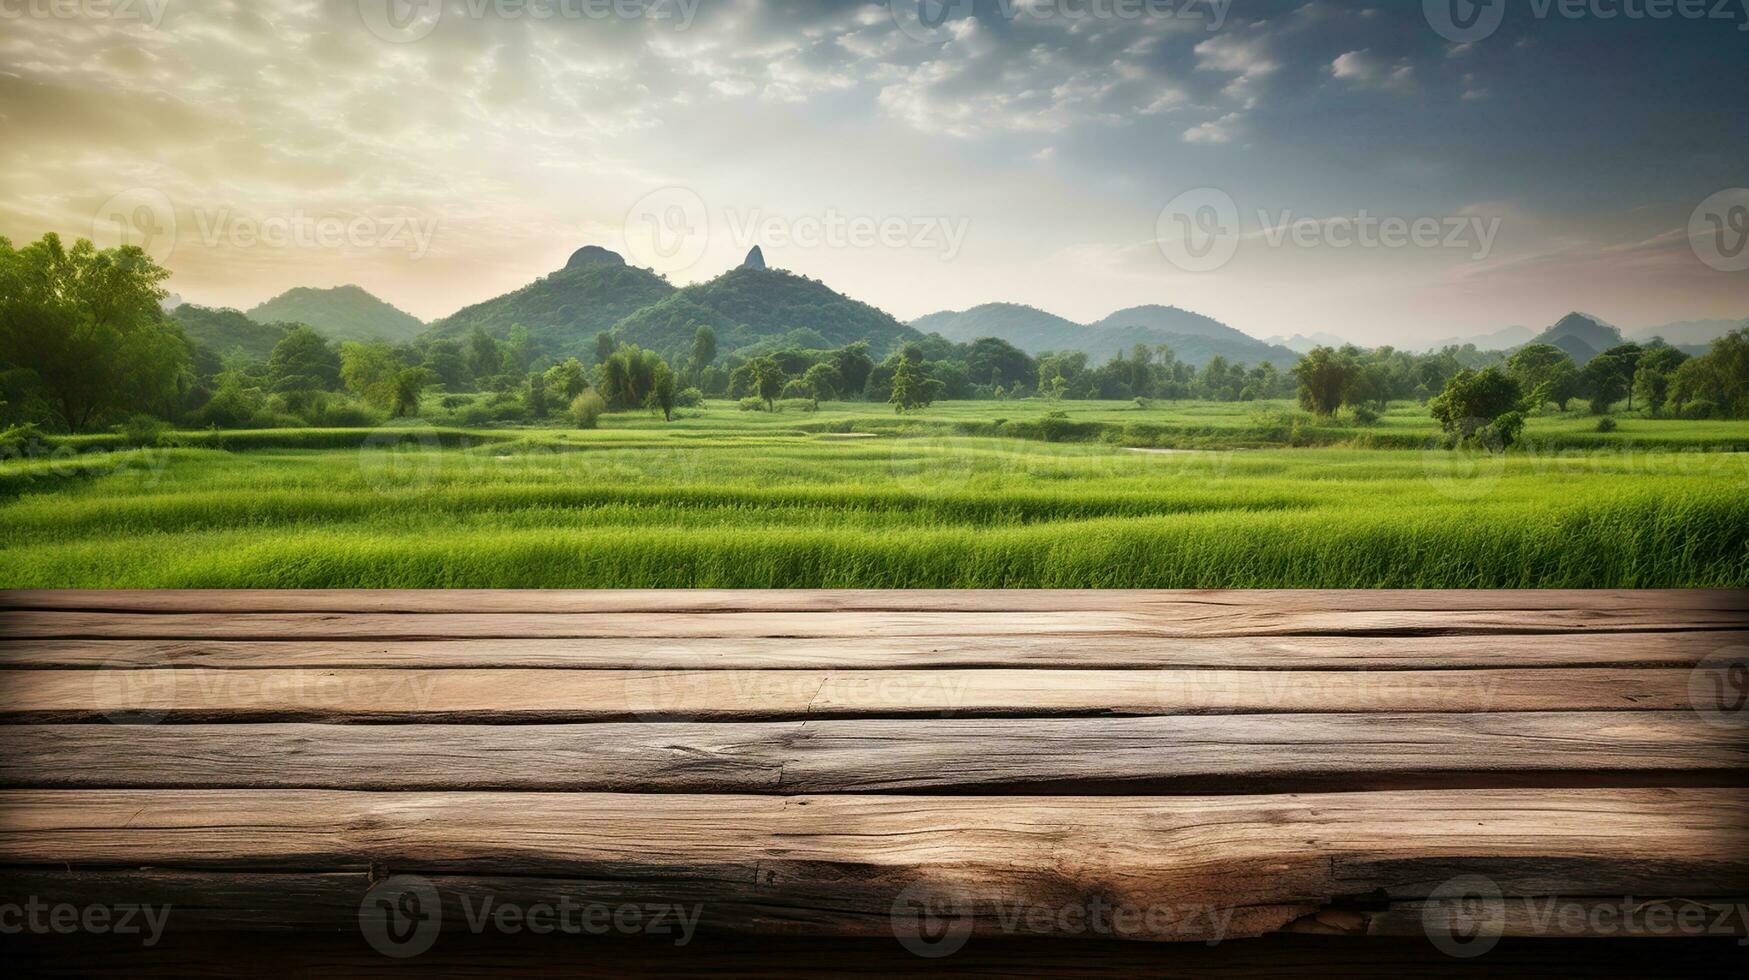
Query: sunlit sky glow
1050	139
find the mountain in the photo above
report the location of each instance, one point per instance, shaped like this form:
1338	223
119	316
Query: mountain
1581	336
1026	327
1506	339
1194	338
341	313
748	304
1300	343
564	311
1689	333
223	330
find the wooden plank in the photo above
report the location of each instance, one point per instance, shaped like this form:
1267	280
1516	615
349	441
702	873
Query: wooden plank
520	695
460	953
1220	621
1201	754
1673	649
1547	916
848	600
843	861
302	902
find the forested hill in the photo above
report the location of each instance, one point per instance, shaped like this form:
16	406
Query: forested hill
340	313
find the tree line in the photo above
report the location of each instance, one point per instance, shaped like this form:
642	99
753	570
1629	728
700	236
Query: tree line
84	344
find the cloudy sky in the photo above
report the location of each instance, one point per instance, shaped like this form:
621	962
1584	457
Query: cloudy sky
1283	166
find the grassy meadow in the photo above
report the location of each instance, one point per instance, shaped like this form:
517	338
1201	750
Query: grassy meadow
966	494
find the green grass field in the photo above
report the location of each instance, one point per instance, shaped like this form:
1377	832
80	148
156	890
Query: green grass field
963	495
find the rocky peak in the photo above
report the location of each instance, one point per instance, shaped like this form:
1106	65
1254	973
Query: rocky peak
593	255
755	259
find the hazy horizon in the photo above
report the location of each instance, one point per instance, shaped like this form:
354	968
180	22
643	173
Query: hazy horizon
1040	152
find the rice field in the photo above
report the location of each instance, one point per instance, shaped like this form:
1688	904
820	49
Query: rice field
963	495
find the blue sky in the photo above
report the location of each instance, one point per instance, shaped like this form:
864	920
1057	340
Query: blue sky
1021	153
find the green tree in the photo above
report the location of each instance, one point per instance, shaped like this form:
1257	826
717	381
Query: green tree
1719	378
372	372
768	378
1605	381
408	384
485	360
517	352
1474	401
1655	374
1546	371
853	366
704	349
565	381
604	346
1327	378
662	391
628	374
303	361
822	381
913	387
87	326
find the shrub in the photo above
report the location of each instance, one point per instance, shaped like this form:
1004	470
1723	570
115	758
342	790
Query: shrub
1364	415
144	430
1606	424
586	409
1700	408
751	404
800	404
689	398
22	440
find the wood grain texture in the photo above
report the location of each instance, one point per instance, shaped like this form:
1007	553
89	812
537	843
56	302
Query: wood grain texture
1204	754
865	600
1652	649
522	695
204	955
1199	622
843	861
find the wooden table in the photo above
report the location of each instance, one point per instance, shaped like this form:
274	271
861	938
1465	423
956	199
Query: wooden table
938	770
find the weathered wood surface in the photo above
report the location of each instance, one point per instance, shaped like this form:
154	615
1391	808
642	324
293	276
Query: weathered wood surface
883	755
798	762
1201	621
842	600
510	695
1655	649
